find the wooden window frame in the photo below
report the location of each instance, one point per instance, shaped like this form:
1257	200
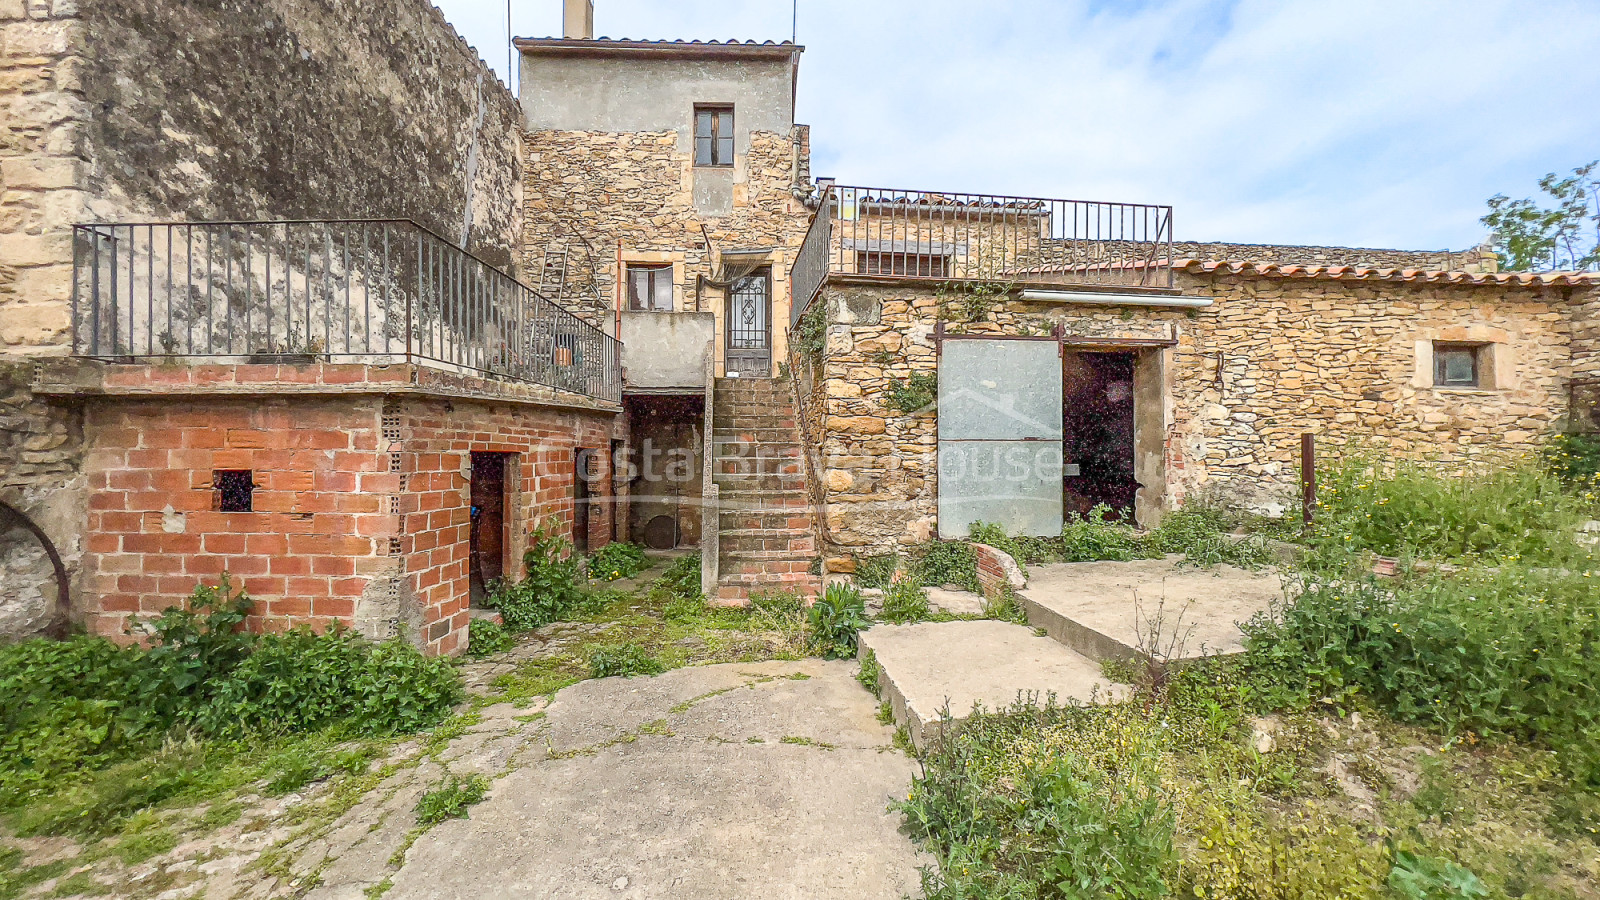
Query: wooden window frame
1443	348
656	272
718	147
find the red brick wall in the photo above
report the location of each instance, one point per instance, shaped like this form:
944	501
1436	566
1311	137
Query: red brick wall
304	552
354	495
437	442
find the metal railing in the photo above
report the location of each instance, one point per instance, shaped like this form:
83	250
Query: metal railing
348	291
950	237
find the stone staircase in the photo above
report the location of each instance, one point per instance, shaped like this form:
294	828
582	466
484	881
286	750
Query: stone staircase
766	539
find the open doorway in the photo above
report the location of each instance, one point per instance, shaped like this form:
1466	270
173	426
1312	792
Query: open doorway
1097	394
584	472
488	532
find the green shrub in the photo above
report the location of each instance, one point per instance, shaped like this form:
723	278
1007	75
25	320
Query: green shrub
622	660
905	601
1509	651
947	562
915	394
551	589
678	588
877	571
1575	459
1244	853
810	335
485	638
451	799
1091	538
1196	531
617	560
1517	511
834	621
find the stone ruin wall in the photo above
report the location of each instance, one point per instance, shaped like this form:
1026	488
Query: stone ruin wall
1274	358
143	110
588	191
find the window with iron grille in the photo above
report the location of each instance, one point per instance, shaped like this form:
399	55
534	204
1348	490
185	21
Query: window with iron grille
748	311
650	288
713	135
1456	365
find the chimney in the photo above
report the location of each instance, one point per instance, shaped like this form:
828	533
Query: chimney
577	20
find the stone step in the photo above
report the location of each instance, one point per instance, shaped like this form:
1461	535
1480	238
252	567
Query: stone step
754	421
733	592
756	435
778	517
759	465
739	564
795	502
789	541
735	483
934	667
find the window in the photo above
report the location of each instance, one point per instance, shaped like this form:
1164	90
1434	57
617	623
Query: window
650	288
925	265
713	135
235	489
1456	365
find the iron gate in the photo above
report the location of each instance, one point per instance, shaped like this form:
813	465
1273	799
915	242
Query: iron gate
749	350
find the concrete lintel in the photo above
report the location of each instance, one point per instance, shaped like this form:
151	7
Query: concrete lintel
1108	298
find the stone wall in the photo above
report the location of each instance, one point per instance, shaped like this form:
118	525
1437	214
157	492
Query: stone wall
1243	379
139	110
1477	259
606	195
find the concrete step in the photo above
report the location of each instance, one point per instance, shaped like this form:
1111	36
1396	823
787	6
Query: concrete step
1110	610
932	667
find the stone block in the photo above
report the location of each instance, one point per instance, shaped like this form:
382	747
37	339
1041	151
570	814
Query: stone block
40	173
22	250
34	324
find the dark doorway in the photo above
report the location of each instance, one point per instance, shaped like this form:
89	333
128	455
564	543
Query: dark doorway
749	326
665	473
618	463
1097	425
582	492
488	533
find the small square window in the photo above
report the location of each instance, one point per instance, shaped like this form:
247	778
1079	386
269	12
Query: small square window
713	136
1456	365
650	288
235	489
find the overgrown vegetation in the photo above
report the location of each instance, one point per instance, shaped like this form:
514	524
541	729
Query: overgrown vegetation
451	799
1429	735
623	660
617	560
914	394
835	620
552	588
810	335
905	602
91	732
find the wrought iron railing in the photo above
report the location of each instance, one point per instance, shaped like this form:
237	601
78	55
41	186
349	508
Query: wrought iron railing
948	237
367	291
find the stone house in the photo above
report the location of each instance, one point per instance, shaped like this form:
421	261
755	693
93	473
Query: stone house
352	352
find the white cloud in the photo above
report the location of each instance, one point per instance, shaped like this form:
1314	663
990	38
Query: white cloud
1368	122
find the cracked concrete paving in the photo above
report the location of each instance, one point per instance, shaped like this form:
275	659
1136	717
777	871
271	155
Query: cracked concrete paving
734	780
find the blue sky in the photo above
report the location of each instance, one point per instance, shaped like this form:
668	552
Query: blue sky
1357	122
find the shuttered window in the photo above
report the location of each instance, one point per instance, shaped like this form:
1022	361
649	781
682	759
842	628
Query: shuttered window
713	135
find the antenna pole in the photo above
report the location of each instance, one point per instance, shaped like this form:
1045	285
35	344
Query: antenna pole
794	28
511	53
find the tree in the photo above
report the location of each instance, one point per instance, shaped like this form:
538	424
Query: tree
1564	235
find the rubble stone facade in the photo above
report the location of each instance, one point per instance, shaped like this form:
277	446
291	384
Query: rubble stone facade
628	198
1242	380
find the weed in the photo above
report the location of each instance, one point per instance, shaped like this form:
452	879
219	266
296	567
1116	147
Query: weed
486	638
886	713
947	563
624	660
877	571
835	619
1417	877
915	395
810	334
451	799
551	589
905	601
79	885
1004	606
137	848
617	560
806	742
870	674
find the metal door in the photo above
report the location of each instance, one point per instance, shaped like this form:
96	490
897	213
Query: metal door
1000	436
749	349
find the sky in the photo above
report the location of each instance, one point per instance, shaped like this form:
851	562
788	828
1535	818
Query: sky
1378	123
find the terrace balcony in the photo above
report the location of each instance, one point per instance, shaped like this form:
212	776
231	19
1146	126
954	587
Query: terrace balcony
219	305
876	233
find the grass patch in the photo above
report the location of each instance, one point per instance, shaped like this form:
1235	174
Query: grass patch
451	799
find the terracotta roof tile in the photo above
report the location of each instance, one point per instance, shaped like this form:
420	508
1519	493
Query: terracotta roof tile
1352	273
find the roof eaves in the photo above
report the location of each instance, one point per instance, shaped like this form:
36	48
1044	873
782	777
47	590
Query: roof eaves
1353	273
